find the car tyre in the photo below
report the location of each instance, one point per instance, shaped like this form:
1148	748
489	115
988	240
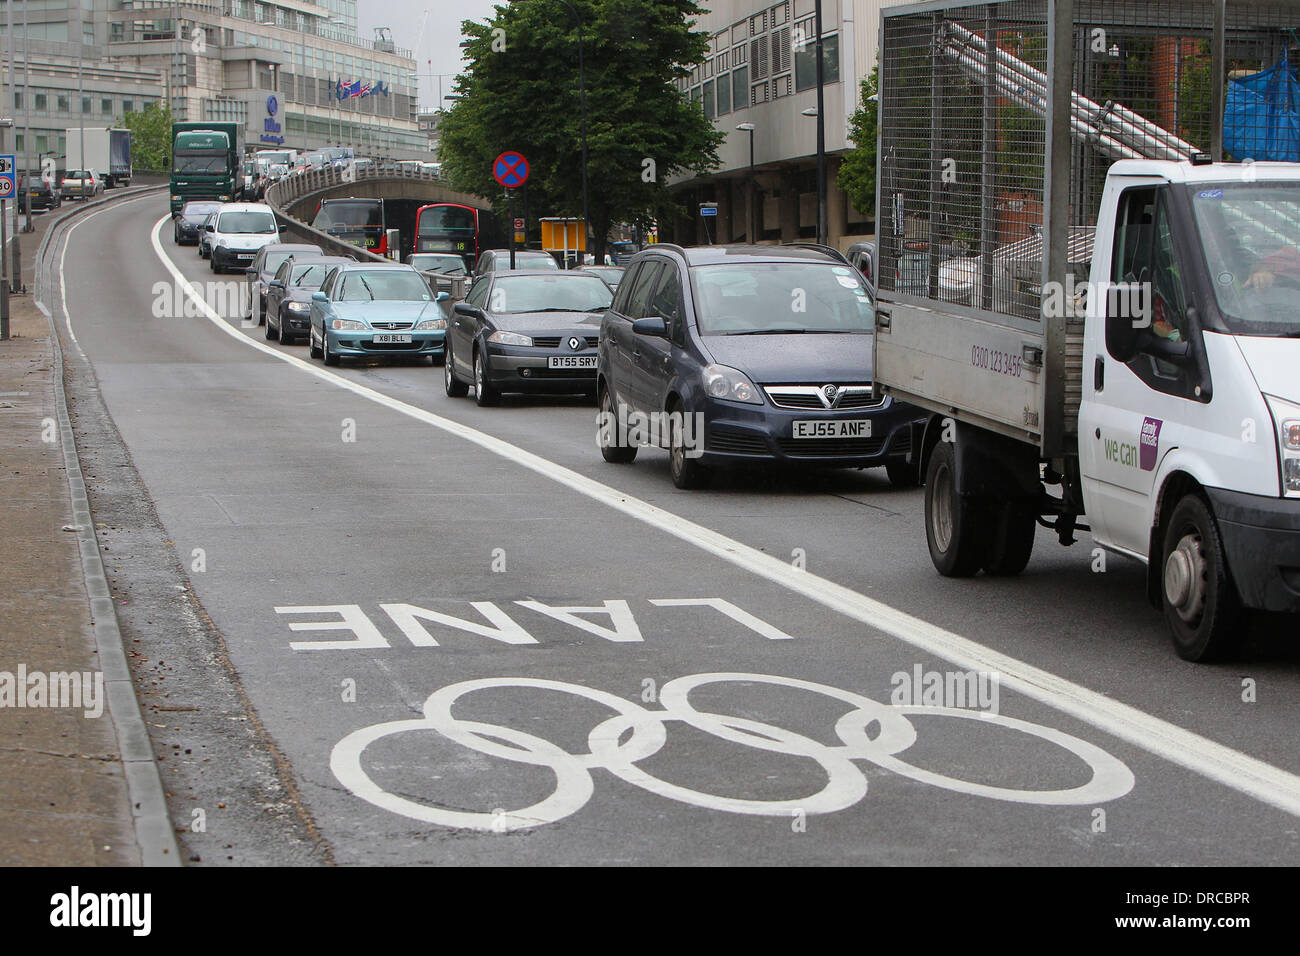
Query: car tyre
330	357
312	350
619	452
954	525
687	473
271	333
1199	599
454	387
1011	539
484	393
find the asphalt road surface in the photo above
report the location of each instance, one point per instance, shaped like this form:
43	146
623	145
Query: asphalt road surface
460	637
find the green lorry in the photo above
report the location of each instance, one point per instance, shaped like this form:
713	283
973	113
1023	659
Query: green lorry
207	162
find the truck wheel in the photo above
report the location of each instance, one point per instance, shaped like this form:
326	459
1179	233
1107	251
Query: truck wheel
1011	539
954	526
1199	598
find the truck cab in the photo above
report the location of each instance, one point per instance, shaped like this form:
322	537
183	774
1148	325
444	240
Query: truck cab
1189	418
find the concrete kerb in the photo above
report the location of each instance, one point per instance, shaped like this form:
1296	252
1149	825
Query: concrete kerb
153	827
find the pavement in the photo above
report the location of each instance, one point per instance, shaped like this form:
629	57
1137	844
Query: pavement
63	792
77	781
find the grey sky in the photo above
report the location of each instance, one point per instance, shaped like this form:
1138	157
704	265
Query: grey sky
439	43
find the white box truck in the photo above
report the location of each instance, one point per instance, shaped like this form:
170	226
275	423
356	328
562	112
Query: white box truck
107	150
1102	318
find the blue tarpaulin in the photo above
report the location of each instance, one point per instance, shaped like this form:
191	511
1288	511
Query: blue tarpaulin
1261	116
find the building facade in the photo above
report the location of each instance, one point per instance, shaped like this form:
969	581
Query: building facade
761	71
293	72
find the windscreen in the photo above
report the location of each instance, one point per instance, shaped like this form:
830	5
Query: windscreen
530	263
311	276
1250	233
388	285
773	298
558	293
453	265
350	214
448	221
196	163
246	223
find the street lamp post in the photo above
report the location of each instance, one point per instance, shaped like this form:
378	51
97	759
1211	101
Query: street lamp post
749	195
821	126
27	119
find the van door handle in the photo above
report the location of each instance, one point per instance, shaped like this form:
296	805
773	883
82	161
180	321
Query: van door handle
1099	374
884	319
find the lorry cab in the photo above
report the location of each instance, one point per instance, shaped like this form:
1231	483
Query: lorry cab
1189	418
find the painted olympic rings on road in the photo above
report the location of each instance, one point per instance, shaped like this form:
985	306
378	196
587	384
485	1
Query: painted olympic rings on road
634	733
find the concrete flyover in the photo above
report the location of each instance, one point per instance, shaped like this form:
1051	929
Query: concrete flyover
294	200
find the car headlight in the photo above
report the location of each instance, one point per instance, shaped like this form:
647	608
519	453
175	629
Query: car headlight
509	338
431	325
297	306
221	243
1286	420
730	385
225	199
347	325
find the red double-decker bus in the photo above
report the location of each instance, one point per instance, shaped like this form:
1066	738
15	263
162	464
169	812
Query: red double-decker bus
452	228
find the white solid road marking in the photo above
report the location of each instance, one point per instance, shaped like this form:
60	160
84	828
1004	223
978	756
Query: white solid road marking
1233	769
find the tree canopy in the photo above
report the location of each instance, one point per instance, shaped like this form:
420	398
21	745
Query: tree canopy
857	175
151	138
520	92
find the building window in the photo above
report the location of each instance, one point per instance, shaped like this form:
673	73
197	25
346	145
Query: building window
42	144
128	106
116	31
64	103
740	87
106	106
805	62
40	102
710	102
724	93
85	104
18	99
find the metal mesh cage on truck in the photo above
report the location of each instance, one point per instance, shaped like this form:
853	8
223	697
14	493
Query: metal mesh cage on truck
963	104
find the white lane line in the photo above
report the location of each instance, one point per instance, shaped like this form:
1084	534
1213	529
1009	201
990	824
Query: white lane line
1220	763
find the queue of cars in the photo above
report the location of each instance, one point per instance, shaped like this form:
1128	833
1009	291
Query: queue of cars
768	349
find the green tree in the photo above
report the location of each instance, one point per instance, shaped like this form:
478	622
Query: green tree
520	92
857	175
151	138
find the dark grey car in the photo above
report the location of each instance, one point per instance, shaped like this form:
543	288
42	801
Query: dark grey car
188	223
288	295
265	264
526	332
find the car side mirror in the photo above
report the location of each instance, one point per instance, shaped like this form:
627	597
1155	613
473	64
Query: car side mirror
652	326
1128	316
284	226
250	271
442	297
319	297
464	308
275	284
209	228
